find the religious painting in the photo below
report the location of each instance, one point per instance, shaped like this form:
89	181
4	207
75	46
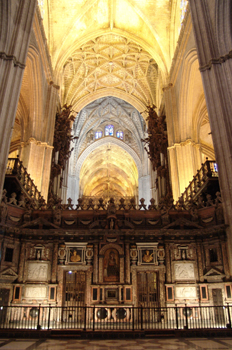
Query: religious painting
111	266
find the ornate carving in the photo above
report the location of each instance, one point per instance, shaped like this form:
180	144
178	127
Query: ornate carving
184	271
61	143
57	217
156	145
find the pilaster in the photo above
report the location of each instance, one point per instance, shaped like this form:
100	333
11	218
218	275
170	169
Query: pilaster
185	160
54	263
16	18
36	157
21	263
212	29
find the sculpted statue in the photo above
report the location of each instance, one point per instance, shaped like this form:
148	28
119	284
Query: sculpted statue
22	201
147	257
13	199
111	207
57	217
4	197
75	257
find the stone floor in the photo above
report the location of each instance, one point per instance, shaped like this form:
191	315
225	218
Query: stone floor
135	344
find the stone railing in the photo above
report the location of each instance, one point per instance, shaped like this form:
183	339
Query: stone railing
208	170
15	168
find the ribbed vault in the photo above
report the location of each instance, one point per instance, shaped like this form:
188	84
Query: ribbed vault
110	61
109	171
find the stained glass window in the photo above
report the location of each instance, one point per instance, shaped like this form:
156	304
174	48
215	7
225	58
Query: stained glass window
109	130
41	6
183	5
98	134
119	135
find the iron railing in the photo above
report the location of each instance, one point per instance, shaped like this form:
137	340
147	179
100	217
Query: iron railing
115	318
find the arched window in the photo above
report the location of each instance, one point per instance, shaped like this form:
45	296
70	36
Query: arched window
119	134
183	5
41	6
109	130
98	134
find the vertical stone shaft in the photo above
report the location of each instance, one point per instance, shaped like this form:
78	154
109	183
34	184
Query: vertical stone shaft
127	272
162	287
212	29
225	259
95	263
21	263
168	264
199	261
54	263
16	18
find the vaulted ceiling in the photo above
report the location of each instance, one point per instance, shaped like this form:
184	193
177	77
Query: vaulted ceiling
109	171
121	48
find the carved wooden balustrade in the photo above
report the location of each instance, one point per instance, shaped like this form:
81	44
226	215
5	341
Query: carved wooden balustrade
208	171
15	168
105	200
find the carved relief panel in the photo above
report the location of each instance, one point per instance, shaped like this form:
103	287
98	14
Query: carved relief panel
38	271
184	271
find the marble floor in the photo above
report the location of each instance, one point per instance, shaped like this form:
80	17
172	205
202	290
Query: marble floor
133	344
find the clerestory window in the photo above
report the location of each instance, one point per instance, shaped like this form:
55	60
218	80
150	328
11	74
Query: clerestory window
119	134
109	130
98	134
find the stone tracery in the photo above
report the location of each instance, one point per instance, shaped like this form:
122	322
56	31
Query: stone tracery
110	61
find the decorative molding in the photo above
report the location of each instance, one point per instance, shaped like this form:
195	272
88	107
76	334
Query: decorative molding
184	143
214	61
38	143
6	57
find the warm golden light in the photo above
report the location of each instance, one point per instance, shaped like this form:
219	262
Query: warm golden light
109	171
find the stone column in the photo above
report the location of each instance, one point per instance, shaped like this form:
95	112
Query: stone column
121	271
134	284
185	160
21	263
168	264
161	286
127	272
54	263
199	262
184	155
100	271
40	170
88	296
212	29
16	18
95	263
225	259
60	286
